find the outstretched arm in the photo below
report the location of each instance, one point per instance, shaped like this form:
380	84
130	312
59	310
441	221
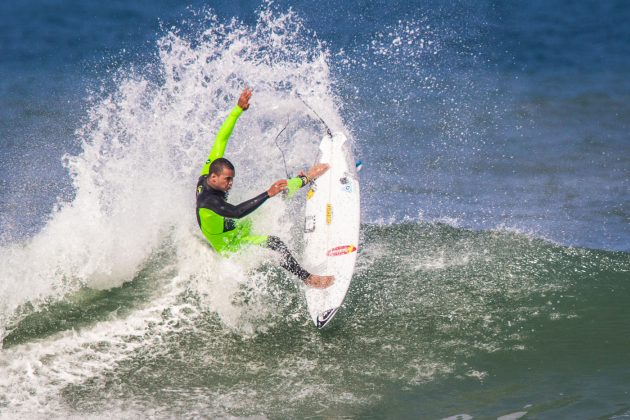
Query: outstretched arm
225	209
220	142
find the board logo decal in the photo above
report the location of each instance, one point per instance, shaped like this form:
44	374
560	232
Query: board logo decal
324	317
341	250
328	213
311	191
309	224
346	185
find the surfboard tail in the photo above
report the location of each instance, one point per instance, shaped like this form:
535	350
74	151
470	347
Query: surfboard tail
325	317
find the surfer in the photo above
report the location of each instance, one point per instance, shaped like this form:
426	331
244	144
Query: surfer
223	224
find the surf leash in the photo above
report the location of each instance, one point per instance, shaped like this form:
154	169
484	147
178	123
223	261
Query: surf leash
358	163
282	151
328	131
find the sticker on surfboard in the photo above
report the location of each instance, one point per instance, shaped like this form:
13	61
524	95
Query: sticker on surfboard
325	317
309	224
341	250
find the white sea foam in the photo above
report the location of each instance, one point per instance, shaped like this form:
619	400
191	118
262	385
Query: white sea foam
35	373
144	144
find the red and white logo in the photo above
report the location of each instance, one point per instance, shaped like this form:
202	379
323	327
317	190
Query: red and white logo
341	250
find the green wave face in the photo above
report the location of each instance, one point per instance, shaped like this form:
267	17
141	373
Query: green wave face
438	321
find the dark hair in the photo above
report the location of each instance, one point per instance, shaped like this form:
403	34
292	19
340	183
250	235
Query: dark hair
217	166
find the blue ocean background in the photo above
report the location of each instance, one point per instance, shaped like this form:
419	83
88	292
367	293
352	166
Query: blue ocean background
493	274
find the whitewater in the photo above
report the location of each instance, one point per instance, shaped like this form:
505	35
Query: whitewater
463	305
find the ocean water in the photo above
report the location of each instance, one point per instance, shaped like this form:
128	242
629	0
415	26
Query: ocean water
494	266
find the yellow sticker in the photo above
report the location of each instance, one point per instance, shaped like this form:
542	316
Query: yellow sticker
328	213
309	193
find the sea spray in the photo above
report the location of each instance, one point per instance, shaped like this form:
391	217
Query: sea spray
144	142
440	319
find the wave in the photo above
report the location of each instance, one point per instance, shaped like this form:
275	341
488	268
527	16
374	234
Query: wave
429	303
118	305
144	142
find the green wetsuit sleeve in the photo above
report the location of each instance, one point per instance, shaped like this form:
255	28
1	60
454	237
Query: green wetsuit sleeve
294	184
220	141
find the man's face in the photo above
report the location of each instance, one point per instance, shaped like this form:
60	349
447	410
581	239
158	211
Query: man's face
222	182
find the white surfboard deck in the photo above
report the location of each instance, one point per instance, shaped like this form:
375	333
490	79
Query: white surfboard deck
331	228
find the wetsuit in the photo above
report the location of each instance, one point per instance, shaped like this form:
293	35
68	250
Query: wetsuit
223	224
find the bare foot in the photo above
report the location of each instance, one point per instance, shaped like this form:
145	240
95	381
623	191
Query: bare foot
319	282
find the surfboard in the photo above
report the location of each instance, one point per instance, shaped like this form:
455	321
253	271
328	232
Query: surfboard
331	228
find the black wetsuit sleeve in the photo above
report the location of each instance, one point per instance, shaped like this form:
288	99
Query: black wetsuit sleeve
225	209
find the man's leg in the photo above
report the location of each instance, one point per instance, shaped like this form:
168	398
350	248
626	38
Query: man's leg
288	262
